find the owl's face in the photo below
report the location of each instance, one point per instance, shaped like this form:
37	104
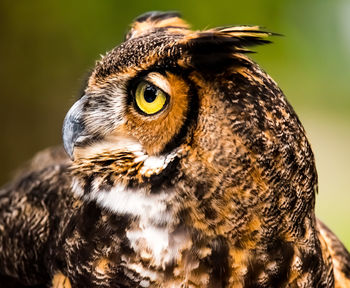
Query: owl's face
188	110
143	95
139	101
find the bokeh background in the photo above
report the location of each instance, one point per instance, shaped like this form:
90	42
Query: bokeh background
48	47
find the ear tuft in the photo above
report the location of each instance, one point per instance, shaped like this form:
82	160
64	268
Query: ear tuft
217	48
154	20
154	16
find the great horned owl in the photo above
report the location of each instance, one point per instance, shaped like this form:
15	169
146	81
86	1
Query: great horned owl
187	168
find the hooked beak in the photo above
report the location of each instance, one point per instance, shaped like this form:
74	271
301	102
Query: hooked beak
73	126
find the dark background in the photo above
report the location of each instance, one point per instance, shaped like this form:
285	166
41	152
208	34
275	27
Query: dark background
48	47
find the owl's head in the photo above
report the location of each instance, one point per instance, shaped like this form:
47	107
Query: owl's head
172	107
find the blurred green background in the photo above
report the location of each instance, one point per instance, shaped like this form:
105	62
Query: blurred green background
48	47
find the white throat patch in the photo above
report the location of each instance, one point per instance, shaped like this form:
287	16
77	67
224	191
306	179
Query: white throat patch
152	236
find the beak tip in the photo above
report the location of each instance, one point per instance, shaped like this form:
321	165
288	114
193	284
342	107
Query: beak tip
68	139
73	127
69	151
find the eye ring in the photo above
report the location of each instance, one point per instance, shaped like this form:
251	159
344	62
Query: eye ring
149	99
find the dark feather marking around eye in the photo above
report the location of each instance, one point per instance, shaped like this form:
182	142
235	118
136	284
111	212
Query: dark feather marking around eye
190	118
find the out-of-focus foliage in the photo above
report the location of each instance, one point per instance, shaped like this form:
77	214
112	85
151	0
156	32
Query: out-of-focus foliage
48	47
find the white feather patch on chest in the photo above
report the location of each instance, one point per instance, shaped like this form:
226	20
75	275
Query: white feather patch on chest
151	238
158	245
151	243
135	202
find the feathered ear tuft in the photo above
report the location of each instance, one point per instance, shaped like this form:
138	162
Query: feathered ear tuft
218	48
156	16
149	21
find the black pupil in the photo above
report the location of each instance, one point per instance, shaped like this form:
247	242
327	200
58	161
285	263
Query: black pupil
150	93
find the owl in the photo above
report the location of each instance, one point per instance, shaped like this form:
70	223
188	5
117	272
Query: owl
185	166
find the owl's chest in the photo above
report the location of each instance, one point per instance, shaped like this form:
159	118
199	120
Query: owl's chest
169	258
157	239
161	250
158	252
157	245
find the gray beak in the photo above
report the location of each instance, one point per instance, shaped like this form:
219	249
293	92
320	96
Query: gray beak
73	126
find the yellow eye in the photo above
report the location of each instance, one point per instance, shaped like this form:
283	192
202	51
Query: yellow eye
149	98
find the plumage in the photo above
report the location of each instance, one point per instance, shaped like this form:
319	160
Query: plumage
187	168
